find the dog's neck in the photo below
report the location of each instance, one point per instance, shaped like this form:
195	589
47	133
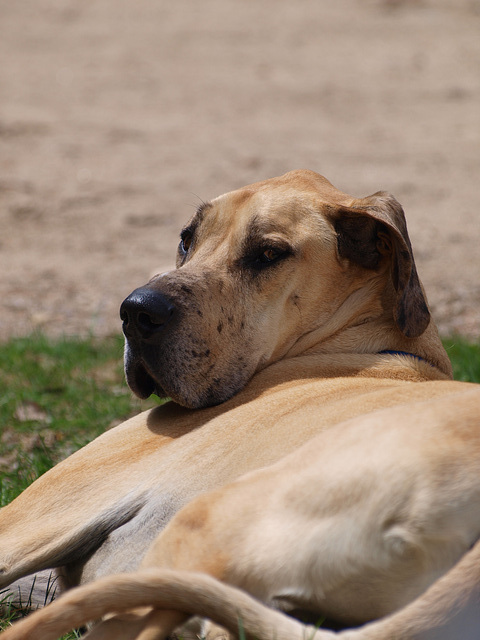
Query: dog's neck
362	325
359	311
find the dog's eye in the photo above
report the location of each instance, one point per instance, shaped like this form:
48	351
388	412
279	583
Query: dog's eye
259	257
186	241
270	255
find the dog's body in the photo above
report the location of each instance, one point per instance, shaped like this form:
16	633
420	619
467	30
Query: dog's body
355	546
113	496
296	307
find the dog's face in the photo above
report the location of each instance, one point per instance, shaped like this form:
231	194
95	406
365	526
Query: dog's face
257	269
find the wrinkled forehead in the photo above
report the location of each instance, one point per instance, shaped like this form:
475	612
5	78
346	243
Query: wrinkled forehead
264	209
273	205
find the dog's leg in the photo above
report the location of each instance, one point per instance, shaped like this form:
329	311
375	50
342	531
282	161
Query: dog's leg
74	541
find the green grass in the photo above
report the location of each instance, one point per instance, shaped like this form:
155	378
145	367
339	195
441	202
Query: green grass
465	357
57	395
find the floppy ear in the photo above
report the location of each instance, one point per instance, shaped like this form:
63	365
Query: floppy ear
375	227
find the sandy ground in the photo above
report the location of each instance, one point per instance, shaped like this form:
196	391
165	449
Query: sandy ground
117	116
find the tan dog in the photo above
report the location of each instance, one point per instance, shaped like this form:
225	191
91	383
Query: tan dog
286	294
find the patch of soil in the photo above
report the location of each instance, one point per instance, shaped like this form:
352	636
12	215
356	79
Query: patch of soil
117	118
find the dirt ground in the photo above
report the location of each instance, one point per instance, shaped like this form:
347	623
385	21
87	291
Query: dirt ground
116	117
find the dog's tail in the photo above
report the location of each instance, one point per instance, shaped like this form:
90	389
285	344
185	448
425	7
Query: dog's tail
179	593
450	608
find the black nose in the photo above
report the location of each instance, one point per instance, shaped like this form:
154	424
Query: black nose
146	313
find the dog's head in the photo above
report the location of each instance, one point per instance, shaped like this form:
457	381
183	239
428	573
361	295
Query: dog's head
258	271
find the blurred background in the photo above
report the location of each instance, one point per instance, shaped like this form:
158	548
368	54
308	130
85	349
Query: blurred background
118	117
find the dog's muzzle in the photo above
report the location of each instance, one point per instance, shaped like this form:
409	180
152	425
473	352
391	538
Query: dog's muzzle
146	314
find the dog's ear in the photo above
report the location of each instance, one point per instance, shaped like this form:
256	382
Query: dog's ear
372	229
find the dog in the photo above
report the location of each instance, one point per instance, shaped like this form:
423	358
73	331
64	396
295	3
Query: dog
293	308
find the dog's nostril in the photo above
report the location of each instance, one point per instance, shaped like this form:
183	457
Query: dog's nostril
150	323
